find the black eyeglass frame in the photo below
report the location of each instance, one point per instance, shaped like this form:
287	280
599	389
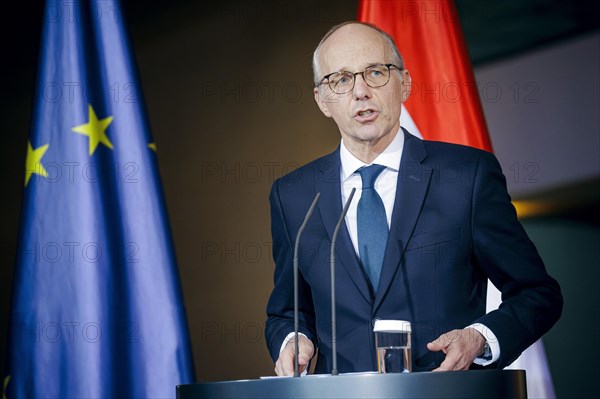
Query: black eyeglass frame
388	66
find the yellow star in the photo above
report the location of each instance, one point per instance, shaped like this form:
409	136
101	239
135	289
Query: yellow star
152	146
94	129
33	162
4	386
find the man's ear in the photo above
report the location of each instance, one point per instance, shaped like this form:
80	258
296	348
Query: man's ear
406	85
321	101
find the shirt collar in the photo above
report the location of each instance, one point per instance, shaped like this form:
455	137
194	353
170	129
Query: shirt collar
390	157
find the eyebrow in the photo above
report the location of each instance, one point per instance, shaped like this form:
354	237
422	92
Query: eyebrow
346	69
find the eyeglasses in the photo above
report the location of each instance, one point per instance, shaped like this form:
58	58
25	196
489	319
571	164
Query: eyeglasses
374	76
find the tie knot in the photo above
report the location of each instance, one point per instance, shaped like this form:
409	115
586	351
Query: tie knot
369	174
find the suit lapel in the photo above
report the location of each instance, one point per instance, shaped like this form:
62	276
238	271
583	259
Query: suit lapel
413	181
330	209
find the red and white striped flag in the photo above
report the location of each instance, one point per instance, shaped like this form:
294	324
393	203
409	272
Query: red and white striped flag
444	105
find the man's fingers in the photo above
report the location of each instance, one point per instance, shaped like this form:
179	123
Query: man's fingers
285	364
460	347
285	367
435	346
447	365
279	369
303	359
306	349
452	362
440	344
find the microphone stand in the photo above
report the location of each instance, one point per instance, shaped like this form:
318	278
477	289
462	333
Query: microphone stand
334	370
296	247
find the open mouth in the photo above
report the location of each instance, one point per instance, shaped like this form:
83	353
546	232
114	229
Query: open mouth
366	115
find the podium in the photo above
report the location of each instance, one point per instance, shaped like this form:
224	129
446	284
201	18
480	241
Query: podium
499	384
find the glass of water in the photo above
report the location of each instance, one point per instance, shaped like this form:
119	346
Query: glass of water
392	340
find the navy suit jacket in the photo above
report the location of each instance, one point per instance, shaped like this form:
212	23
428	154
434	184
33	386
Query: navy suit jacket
453	226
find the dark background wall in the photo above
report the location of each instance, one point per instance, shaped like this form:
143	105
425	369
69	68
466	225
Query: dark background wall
228	92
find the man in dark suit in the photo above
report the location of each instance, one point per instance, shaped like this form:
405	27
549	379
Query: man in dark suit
429	224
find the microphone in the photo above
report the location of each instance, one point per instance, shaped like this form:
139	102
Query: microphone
334	370
296	246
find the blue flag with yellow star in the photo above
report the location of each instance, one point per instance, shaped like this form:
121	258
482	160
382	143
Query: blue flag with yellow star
97	310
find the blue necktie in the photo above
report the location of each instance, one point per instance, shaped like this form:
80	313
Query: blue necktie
372	225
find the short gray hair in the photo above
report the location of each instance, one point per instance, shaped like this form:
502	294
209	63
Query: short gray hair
315	60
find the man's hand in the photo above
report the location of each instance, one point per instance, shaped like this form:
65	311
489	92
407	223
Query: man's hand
285	363
460	346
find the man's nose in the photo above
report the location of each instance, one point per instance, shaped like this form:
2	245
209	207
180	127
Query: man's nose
361	88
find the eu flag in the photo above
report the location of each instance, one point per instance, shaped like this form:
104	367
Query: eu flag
97	310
